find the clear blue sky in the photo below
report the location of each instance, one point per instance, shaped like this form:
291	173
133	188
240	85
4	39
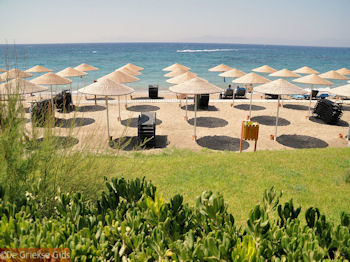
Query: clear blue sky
298	22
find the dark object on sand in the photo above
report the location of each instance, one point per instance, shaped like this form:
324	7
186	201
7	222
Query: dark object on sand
41	112
146	128
328	111
313	95
64	101
240	92
203	101
153	91
271	96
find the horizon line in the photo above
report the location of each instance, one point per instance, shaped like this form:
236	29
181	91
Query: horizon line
173	42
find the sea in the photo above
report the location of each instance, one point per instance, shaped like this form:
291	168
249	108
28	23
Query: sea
153	57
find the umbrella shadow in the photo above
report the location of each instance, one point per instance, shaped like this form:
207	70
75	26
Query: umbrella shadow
147	97
346	108
58	142
210	122
191	108
73	122
320	121
299	141
222	143
296	107
93	108
142	108
133	122
245	107
132	143
270	120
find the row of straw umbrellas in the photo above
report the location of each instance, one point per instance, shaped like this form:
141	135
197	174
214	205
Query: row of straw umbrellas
188	83
108	85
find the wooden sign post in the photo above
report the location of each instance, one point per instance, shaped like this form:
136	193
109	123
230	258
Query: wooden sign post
249	131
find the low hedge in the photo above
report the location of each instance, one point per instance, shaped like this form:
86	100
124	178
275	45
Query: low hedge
130	221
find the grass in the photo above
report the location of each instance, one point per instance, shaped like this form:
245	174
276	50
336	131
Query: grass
312	177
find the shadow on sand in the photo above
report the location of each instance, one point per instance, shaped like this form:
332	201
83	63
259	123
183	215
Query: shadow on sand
296	107
60	142
245	107
299	141
73	122
147	98
270	120
132	122
191	108
142	108
320	121
210	122
92	108
130	143
222	143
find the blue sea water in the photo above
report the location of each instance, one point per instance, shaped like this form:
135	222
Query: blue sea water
155	56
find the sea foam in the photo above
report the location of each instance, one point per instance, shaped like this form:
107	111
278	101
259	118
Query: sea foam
204	50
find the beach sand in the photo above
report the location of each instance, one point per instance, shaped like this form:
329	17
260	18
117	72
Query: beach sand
218	128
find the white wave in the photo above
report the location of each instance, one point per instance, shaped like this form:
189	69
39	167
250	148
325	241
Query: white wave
204	50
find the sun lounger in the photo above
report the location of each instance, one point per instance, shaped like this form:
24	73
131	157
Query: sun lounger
240	92
328	111
146	128
271	96
227	94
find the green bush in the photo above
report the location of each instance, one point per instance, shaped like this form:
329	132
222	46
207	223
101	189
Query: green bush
131	221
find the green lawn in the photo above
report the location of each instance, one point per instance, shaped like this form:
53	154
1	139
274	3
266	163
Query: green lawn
313	177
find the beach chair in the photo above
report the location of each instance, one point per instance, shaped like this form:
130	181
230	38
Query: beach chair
313	95
153	91
271	96
146	128
64	101
227	94
240	92
328	111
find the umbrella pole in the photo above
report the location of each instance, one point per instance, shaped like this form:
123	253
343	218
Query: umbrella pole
233	97
186	109
126	101
109	138
278	109
119	107
195	117
51	98
312	86
250	105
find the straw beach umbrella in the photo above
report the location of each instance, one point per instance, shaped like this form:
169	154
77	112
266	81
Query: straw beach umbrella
121	78
344	71
85	67
195	86
2	70
306	71
220	68
264	69
279	87
21	87
38	69
181	79
312	79
107	87
251	78
333	75
128	71
175	66
51	79
71	72
15	73
176	72
133	67
233	73
284	73
343	91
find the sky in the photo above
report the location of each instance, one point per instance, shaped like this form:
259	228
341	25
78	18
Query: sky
296	22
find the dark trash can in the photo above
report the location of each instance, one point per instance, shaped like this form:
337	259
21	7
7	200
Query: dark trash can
203	101
146	128
153	91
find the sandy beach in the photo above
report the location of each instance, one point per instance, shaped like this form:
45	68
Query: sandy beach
218	128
